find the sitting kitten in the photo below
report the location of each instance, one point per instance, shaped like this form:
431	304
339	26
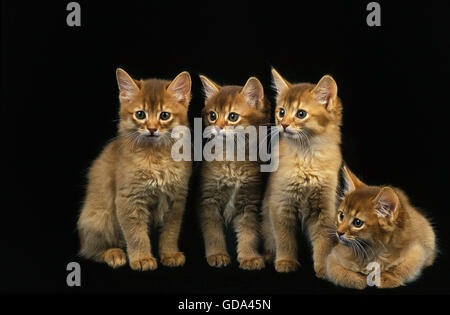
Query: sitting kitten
378	224
135	182
231	190
303	189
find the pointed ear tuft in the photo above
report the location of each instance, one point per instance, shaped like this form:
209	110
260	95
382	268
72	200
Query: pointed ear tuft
253	91
127	85
209	87
325	92
351	182
387	203
279	83
180	87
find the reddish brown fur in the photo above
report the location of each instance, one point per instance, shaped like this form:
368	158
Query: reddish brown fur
398	237
303	188
231	190
135	183
230	100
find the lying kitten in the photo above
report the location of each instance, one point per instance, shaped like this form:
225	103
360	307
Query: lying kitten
231	190
303	189
135	182
378	224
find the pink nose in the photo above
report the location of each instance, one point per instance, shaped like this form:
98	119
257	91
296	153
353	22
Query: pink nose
152	130
285	126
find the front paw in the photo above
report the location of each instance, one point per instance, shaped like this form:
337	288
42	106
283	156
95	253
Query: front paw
389	281
218	260
251	263
359	284
286	265
115	257
144	263
320	270
173	259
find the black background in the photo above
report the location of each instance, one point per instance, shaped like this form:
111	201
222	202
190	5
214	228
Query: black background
60	102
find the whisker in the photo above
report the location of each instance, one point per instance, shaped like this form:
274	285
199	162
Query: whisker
272	132
367	246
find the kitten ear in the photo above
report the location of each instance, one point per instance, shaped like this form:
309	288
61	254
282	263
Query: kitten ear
387	204
127	85
253	91
180	87
279	82
351	182
325	92
209	87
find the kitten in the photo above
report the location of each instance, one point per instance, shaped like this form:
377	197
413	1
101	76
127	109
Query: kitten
378	224
135	182
303	188
231	190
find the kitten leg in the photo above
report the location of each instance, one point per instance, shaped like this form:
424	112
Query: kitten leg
285	230
337	274
324	207
169	253
211	223
100	235
408	270
268	235
246	225
133	219
322	245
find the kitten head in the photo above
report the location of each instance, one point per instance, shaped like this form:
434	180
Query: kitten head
306	110
227	107
150	109
368	215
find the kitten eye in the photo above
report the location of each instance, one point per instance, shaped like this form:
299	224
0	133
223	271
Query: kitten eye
301	114
140	114
341	216
212	116
358	223
233	117
164	115
281	112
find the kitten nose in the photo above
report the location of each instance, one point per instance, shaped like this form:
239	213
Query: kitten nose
152	130
339	233
285	126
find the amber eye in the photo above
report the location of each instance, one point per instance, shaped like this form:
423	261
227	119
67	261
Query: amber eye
233	117
341	216
212	116
358	223
281	112
301	114
140	114
164	115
